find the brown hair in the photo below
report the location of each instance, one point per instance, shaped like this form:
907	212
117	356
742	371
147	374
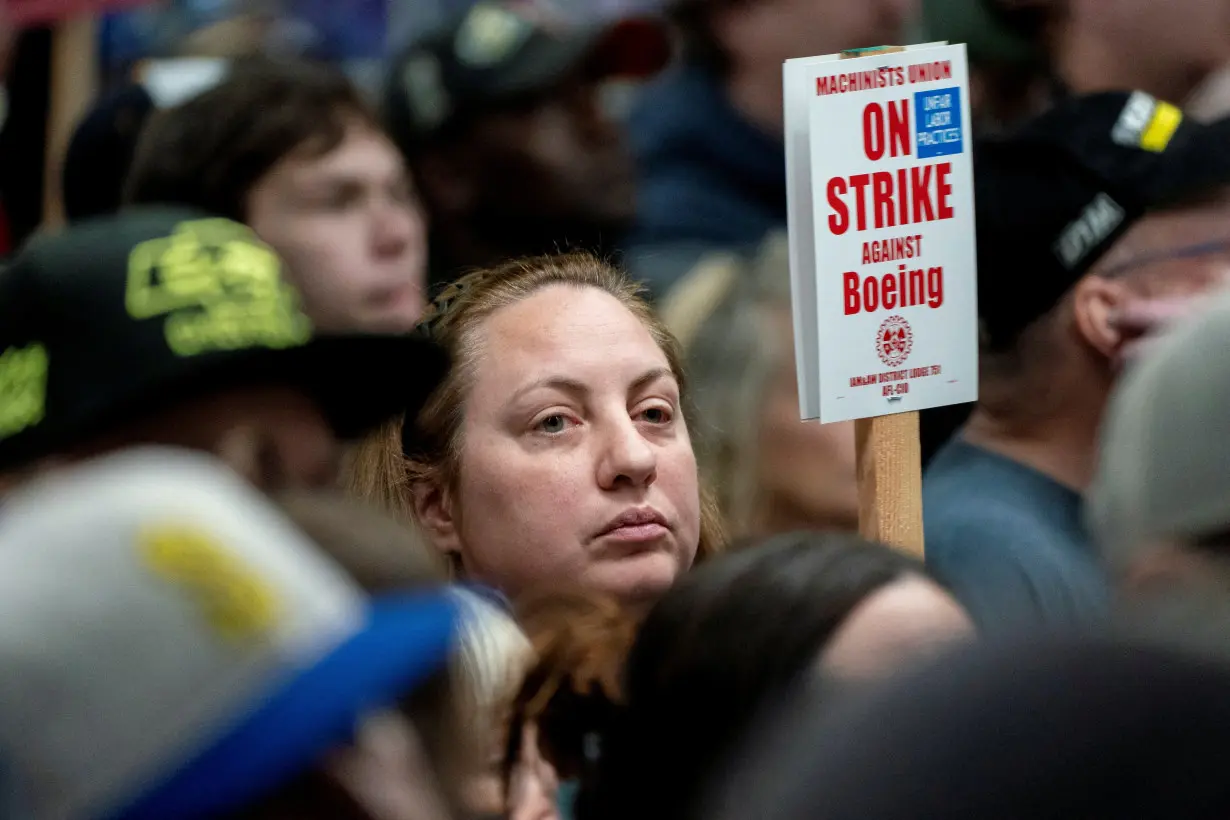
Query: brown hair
385	466
209	152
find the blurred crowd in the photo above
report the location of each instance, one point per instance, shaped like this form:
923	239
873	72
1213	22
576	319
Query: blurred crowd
566	550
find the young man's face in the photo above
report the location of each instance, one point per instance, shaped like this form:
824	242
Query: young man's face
351	231
561	158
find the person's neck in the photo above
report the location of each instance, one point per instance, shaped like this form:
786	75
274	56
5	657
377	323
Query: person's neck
757	97
1087	63
1061	446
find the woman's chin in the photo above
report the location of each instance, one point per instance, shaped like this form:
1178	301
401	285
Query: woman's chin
637	577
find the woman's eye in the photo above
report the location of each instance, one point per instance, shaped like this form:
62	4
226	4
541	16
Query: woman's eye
656	415
553	424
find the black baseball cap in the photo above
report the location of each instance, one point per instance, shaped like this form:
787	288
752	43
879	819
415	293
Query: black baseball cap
118	317
506	52
1053	197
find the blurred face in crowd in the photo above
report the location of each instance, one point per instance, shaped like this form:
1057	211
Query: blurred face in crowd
901	623
806	470
764	33
274	436
1191	36
576	463
351	231
1161	270
558	158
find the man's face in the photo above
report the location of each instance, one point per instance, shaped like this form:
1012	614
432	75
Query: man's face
761	34
560	158
350	230
1167	264
1191	35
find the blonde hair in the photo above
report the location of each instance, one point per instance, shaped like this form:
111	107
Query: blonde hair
381	472
732	355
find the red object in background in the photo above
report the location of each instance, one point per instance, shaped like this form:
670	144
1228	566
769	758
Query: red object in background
40	12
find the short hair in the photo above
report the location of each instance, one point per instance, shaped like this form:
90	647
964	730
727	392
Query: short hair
210	151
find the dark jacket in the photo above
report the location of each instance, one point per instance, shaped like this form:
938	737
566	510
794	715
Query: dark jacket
709	180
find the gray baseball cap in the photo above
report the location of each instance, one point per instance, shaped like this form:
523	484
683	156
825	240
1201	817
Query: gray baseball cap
1161	471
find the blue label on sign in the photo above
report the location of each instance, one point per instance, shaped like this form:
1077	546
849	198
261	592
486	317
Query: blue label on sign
938	118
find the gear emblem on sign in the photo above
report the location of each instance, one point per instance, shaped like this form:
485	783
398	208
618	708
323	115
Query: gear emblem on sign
894	340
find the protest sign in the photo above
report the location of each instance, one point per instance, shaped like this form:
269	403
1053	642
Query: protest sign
880	182
883	258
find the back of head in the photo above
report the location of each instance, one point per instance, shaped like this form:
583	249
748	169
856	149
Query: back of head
727	640
210	151
1061	727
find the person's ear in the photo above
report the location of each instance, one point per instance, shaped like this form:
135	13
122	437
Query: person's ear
433	509
1096	302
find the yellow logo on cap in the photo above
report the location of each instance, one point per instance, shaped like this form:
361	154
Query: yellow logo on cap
234	600
23	388
1162	125
219	288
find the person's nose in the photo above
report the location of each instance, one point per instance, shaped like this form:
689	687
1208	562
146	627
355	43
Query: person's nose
627	458
397	226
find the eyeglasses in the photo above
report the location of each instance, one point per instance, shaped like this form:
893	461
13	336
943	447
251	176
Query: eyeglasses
1169	255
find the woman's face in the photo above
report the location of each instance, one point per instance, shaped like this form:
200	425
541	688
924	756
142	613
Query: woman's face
900	623
576	463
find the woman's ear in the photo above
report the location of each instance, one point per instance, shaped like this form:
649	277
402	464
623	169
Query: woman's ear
433	509
1096	303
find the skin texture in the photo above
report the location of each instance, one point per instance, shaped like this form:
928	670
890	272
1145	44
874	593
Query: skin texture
351	231
572	420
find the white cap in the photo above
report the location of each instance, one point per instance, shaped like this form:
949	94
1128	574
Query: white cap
171	645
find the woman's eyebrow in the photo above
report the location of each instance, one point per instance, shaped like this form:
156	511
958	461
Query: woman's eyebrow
577	388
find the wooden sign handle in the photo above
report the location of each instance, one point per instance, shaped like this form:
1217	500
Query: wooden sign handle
889	458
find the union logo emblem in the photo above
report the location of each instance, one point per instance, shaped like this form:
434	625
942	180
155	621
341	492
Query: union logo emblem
894	340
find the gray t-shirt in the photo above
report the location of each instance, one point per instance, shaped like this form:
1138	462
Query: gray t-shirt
1010	543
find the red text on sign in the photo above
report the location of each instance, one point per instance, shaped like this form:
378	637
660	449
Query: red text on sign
896	289
921	193
889	131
